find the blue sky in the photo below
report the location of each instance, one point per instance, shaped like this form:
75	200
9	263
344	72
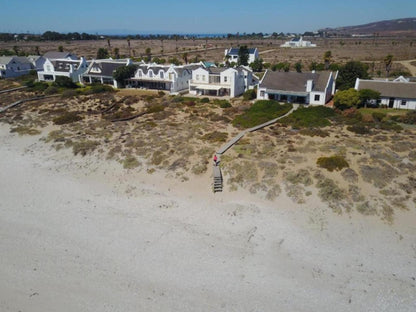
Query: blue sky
192	16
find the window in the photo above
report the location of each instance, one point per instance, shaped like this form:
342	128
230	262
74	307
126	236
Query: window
170	76
162	75
262	93
197	77
317	97
150	73
404	102
225	78
140	73
203	77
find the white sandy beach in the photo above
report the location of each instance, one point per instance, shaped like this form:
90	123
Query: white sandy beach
82	234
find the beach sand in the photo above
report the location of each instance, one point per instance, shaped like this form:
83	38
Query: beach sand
84	234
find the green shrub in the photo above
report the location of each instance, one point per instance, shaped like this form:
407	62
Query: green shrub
409	118
359	129
216	136
84	147
260	112
51	90
66	118
249	95
205	100
130	162
314	132
155	108
100	88
69	93
332	163
37	86
222	103
378	116
64	82
314	116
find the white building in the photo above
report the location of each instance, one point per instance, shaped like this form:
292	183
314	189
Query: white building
298	43
37	61
232	55
55	55
213	81
63	67
14	66
101	71
170	78
303	88
400	93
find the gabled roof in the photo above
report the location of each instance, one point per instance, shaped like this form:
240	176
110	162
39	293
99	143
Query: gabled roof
390	88
234	51
293	81
17	59
106	67
58	55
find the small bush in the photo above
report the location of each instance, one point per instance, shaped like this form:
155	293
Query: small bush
359	129
161	93
216	136
378	116
67	118
23	130
84	147
222	103
64	82
155	108
409	118
130	162
190	103
38	86
205	100
69	93
332	163
249	95
100	88
51	90
314	132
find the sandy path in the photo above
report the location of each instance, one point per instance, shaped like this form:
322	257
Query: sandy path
77	234
409	66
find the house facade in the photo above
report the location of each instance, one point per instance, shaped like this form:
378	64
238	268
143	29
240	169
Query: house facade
400	93
170	78
232	55
101	71
298	43
303	88
37	61
14	66
219	81
63	67
55	55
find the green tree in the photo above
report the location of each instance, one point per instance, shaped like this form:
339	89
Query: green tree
102	53
388	61
243	55
327	59
61	48
298	67
286	67
148	53
124	72
349	73
185	57
346	99
257	65
116	53
366	95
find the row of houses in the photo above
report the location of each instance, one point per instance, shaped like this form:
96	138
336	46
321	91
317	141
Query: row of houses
314	88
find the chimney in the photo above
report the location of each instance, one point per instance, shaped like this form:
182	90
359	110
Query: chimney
309	85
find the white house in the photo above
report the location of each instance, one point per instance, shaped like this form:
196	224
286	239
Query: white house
230	82
14	66
303	88
171	78
400	93
232	55
101	71
298	43
55	55
63	67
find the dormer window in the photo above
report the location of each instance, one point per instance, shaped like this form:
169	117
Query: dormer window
150	73
162	75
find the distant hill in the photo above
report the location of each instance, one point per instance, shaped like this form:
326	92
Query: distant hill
396	27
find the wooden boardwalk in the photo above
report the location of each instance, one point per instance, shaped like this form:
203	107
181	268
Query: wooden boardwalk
11	90
218	180
2	109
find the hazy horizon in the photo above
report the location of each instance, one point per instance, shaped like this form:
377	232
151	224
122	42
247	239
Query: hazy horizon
194	17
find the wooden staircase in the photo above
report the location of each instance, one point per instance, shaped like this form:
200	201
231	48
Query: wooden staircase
217	179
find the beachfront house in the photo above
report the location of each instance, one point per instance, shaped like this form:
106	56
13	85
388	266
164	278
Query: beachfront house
55	55
399	93
232	55
298	42
219	81
314	88
14	66
63	67
172	78
101	71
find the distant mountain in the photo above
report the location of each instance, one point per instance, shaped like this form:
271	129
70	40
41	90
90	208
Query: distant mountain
396	27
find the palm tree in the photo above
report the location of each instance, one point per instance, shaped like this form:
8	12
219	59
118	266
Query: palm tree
388	61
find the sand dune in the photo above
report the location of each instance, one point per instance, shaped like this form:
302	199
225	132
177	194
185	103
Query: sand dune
82	234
